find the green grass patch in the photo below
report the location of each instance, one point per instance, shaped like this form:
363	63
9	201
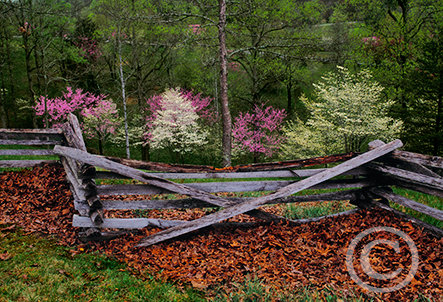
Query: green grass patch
255	291
13	169
190	180
315	209
36	269
29	157
429	200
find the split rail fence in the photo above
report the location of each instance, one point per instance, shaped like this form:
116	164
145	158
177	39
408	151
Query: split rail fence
367	178
34	142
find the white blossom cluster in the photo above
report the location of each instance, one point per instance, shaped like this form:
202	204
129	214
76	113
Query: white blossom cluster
176	124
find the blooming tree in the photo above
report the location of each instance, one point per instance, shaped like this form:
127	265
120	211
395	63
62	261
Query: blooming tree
100	116
173	123
59	108
88	47
259	132
101	121
302	142
347	115
200	104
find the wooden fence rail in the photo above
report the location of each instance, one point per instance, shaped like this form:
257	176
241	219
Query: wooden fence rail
34	140
366	177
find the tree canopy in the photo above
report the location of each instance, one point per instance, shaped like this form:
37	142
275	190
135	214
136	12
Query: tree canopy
239	54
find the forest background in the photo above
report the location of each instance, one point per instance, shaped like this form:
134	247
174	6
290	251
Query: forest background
304	78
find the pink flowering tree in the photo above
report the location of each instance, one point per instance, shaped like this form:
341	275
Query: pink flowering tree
88	47
101	122
56	110
259	132
99	115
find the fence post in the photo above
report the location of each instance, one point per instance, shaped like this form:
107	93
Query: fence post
81	177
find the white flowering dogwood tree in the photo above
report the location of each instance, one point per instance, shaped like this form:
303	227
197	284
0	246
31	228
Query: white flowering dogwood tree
175	127
346	114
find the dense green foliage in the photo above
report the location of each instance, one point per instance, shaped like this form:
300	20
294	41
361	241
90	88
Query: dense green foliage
133	50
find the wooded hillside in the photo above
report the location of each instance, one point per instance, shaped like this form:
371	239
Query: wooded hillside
274	52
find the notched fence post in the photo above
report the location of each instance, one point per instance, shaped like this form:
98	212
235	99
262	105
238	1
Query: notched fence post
80	176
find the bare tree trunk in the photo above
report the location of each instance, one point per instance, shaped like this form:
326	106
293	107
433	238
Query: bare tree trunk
11	81
146	156
122	79
100	145
29	77
45	83
3	115
289	89
226	115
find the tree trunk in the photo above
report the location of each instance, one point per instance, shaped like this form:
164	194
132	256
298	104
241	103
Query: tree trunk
226	115
3	115
44	73
256	157
11	109
3	118
29	76
122	80
100	146
146	156
289	89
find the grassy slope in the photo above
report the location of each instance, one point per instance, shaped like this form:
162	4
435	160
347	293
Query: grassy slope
36	269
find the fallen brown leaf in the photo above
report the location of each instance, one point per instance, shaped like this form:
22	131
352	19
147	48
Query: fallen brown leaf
5	256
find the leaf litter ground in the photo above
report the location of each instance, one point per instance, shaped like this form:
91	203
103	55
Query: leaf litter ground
283	257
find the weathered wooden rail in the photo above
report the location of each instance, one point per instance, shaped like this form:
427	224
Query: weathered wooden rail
367	178
35	140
